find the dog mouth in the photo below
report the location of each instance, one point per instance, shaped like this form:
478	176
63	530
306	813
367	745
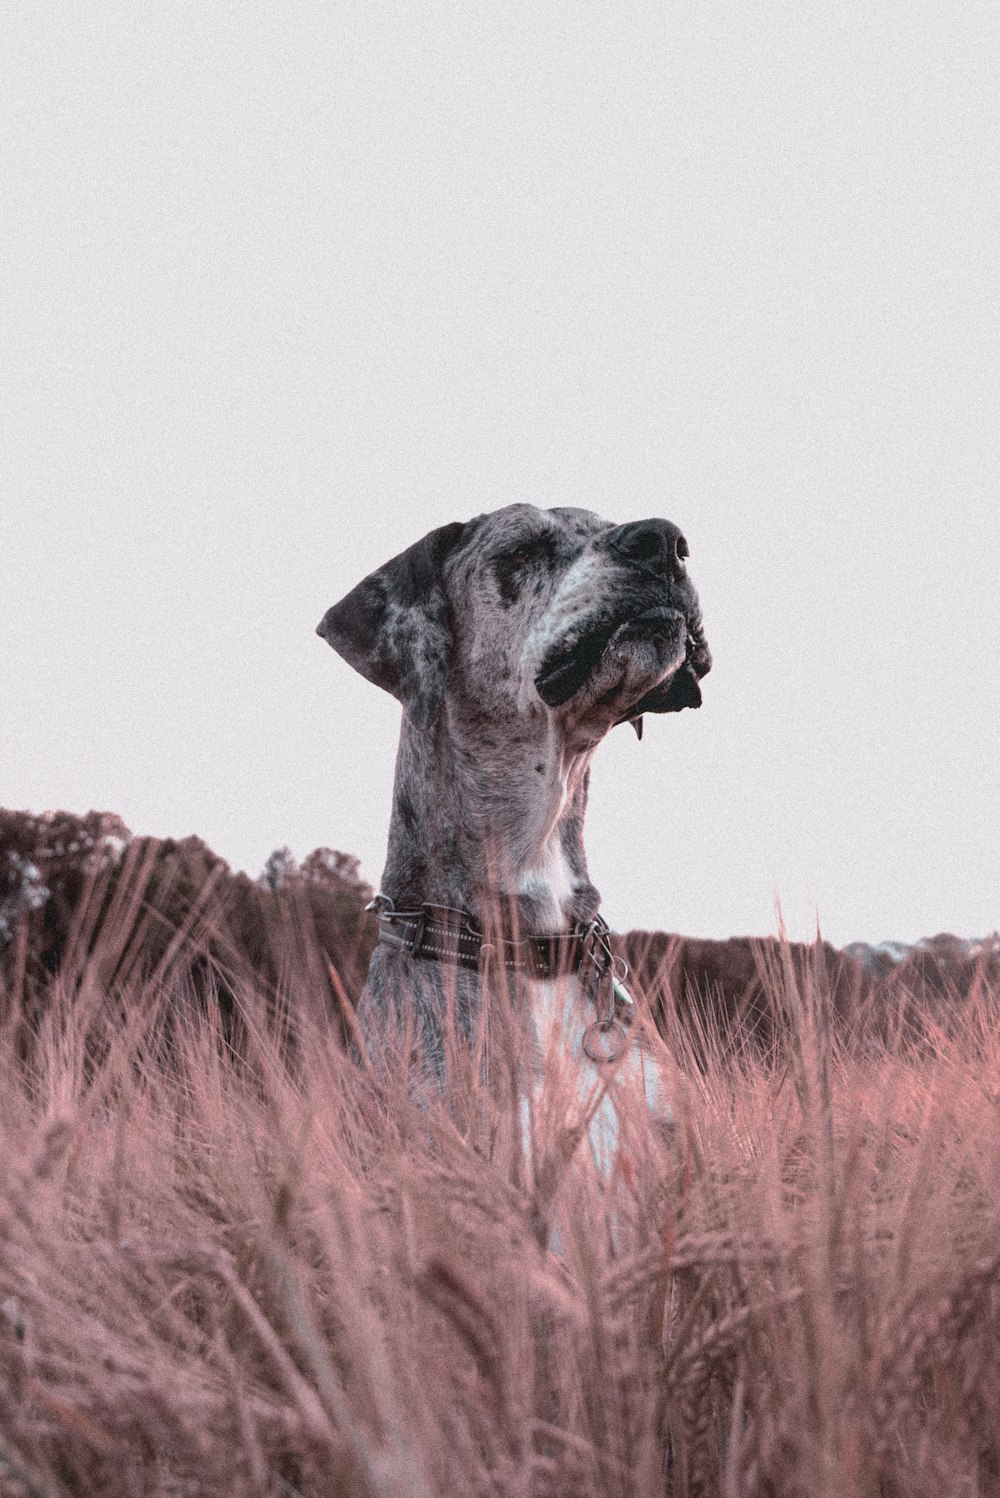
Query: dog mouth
566	670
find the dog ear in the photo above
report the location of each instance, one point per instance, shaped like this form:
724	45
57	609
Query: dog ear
394	627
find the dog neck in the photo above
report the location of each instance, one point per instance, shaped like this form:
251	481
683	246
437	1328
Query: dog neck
491	823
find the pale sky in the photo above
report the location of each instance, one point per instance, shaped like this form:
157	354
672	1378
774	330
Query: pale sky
284	286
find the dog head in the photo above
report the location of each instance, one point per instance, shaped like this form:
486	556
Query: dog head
531	615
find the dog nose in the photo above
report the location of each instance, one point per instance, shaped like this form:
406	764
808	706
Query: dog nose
650	541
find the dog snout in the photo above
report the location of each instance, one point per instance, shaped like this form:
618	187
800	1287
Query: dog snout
654	543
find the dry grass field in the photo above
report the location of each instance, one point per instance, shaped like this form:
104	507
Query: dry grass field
232	1263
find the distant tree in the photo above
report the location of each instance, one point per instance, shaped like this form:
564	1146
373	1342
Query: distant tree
85	888
279	870
46	860
23	890
336	896
334	870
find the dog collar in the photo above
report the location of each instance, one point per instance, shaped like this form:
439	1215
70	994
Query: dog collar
438	933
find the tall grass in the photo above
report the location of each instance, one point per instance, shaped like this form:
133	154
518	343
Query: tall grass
233	1262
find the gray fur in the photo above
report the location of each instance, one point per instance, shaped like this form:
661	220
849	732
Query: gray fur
510	642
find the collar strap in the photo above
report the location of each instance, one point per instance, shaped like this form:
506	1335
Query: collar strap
437	933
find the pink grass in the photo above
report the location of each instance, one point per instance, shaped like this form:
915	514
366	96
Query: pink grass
231	1263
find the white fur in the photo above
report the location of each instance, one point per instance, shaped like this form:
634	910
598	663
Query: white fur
560	1014
570	606
550	882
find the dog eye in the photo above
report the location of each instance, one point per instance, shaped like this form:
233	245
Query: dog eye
512	569
527	551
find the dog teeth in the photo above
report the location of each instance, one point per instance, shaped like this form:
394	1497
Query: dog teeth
637	725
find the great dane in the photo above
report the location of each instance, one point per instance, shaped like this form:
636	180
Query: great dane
515	642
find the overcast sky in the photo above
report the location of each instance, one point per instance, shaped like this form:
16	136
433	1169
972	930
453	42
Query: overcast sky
286	285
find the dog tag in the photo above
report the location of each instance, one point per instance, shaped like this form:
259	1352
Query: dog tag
605	1040
622	994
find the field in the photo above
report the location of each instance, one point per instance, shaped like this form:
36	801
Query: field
232	1262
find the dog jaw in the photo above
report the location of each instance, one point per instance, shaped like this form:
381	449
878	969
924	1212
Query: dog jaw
610	675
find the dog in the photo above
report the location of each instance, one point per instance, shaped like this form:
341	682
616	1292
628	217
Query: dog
515	642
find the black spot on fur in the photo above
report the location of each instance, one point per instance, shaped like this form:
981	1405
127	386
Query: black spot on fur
509	582
514	568
407	813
